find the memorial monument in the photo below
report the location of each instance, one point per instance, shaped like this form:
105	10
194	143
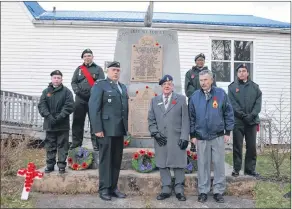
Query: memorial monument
145	54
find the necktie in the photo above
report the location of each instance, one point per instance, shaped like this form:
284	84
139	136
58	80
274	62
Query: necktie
166	100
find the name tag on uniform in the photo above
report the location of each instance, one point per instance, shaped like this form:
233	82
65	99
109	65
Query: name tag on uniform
160	103
109	100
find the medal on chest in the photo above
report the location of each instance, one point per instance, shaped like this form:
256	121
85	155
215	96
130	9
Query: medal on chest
109	100
215	103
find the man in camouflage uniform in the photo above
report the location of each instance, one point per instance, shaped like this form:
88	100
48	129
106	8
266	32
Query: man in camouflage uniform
192	82
81	87
246	99
56	105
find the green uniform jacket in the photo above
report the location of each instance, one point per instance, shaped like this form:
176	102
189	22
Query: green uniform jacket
80	84
57	102
108	108
192	82
246	98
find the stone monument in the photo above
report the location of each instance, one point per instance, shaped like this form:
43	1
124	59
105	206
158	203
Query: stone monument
145	54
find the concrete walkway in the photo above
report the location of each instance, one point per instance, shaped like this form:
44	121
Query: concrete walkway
93	201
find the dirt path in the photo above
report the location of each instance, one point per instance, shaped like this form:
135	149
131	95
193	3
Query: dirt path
93	201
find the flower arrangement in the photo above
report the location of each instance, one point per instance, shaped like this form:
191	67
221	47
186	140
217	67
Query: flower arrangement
143	161
192	162
79	158
127	140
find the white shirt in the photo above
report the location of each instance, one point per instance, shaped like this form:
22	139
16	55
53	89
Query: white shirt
164	98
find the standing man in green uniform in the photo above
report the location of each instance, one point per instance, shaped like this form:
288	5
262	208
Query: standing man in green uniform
246	99
108	110
56	105
192	82
82	81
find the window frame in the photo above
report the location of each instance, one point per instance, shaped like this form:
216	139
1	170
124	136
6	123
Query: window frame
232	61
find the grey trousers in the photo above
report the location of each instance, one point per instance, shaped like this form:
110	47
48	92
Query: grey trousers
179	175
205	149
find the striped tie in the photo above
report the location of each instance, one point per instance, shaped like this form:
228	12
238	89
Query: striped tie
166	100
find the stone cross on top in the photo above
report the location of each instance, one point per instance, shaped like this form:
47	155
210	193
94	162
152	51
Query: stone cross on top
30	173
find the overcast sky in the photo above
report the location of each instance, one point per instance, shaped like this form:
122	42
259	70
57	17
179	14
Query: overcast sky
271	10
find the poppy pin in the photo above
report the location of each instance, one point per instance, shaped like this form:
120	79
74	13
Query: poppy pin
237	90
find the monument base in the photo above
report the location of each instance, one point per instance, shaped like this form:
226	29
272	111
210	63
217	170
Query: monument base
146	142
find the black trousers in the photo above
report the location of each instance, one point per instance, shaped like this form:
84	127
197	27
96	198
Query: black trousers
57	141
79	115
249	132
193	146
110	159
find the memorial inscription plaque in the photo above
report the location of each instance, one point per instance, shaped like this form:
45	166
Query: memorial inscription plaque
138	112
146	60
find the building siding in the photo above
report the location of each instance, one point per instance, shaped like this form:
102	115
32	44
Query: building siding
30	53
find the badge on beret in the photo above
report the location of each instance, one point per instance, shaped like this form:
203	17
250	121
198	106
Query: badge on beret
193	76
167	78
237	90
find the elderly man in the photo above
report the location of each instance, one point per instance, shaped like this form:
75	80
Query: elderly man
108	110
82	81
246	99
212	120
168	121
192	83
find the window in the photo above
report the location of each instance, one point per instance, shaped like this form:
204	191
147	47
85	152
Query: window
227	55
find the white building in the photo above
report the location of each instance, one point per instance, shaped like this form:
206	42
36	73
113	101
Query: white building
36	42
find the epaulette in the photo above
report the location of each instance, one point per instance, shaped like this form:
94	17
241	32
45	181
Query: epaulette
99	80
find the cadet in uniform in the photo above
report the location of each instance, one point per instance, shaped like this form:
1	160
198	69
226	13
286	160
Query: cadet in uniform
108	110
192	82
56	105
82	81
246	99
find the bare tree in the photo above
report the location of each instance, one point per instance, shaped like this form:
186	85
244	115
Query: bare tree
279	143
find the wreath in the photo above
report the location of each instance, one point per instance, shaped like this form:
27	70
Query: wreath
127	140
192	165
143	161
79	158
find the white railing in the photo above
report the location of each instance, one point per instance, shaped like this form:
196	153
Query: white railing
22	110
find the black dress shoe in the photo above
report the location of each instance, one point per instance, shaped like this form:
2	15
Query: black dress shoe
202	197
49	170
105	196
218	198
118	194
235	173
162	196
181	197
61	170
252	173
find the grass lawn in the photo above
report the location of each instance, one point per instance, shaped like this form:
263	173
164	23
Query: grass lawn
269	194
12	185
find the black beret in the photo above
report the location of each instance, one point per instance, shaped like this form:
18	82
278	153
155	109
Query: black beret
242	65
165	78
86	51
199	55
113	64
56	72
